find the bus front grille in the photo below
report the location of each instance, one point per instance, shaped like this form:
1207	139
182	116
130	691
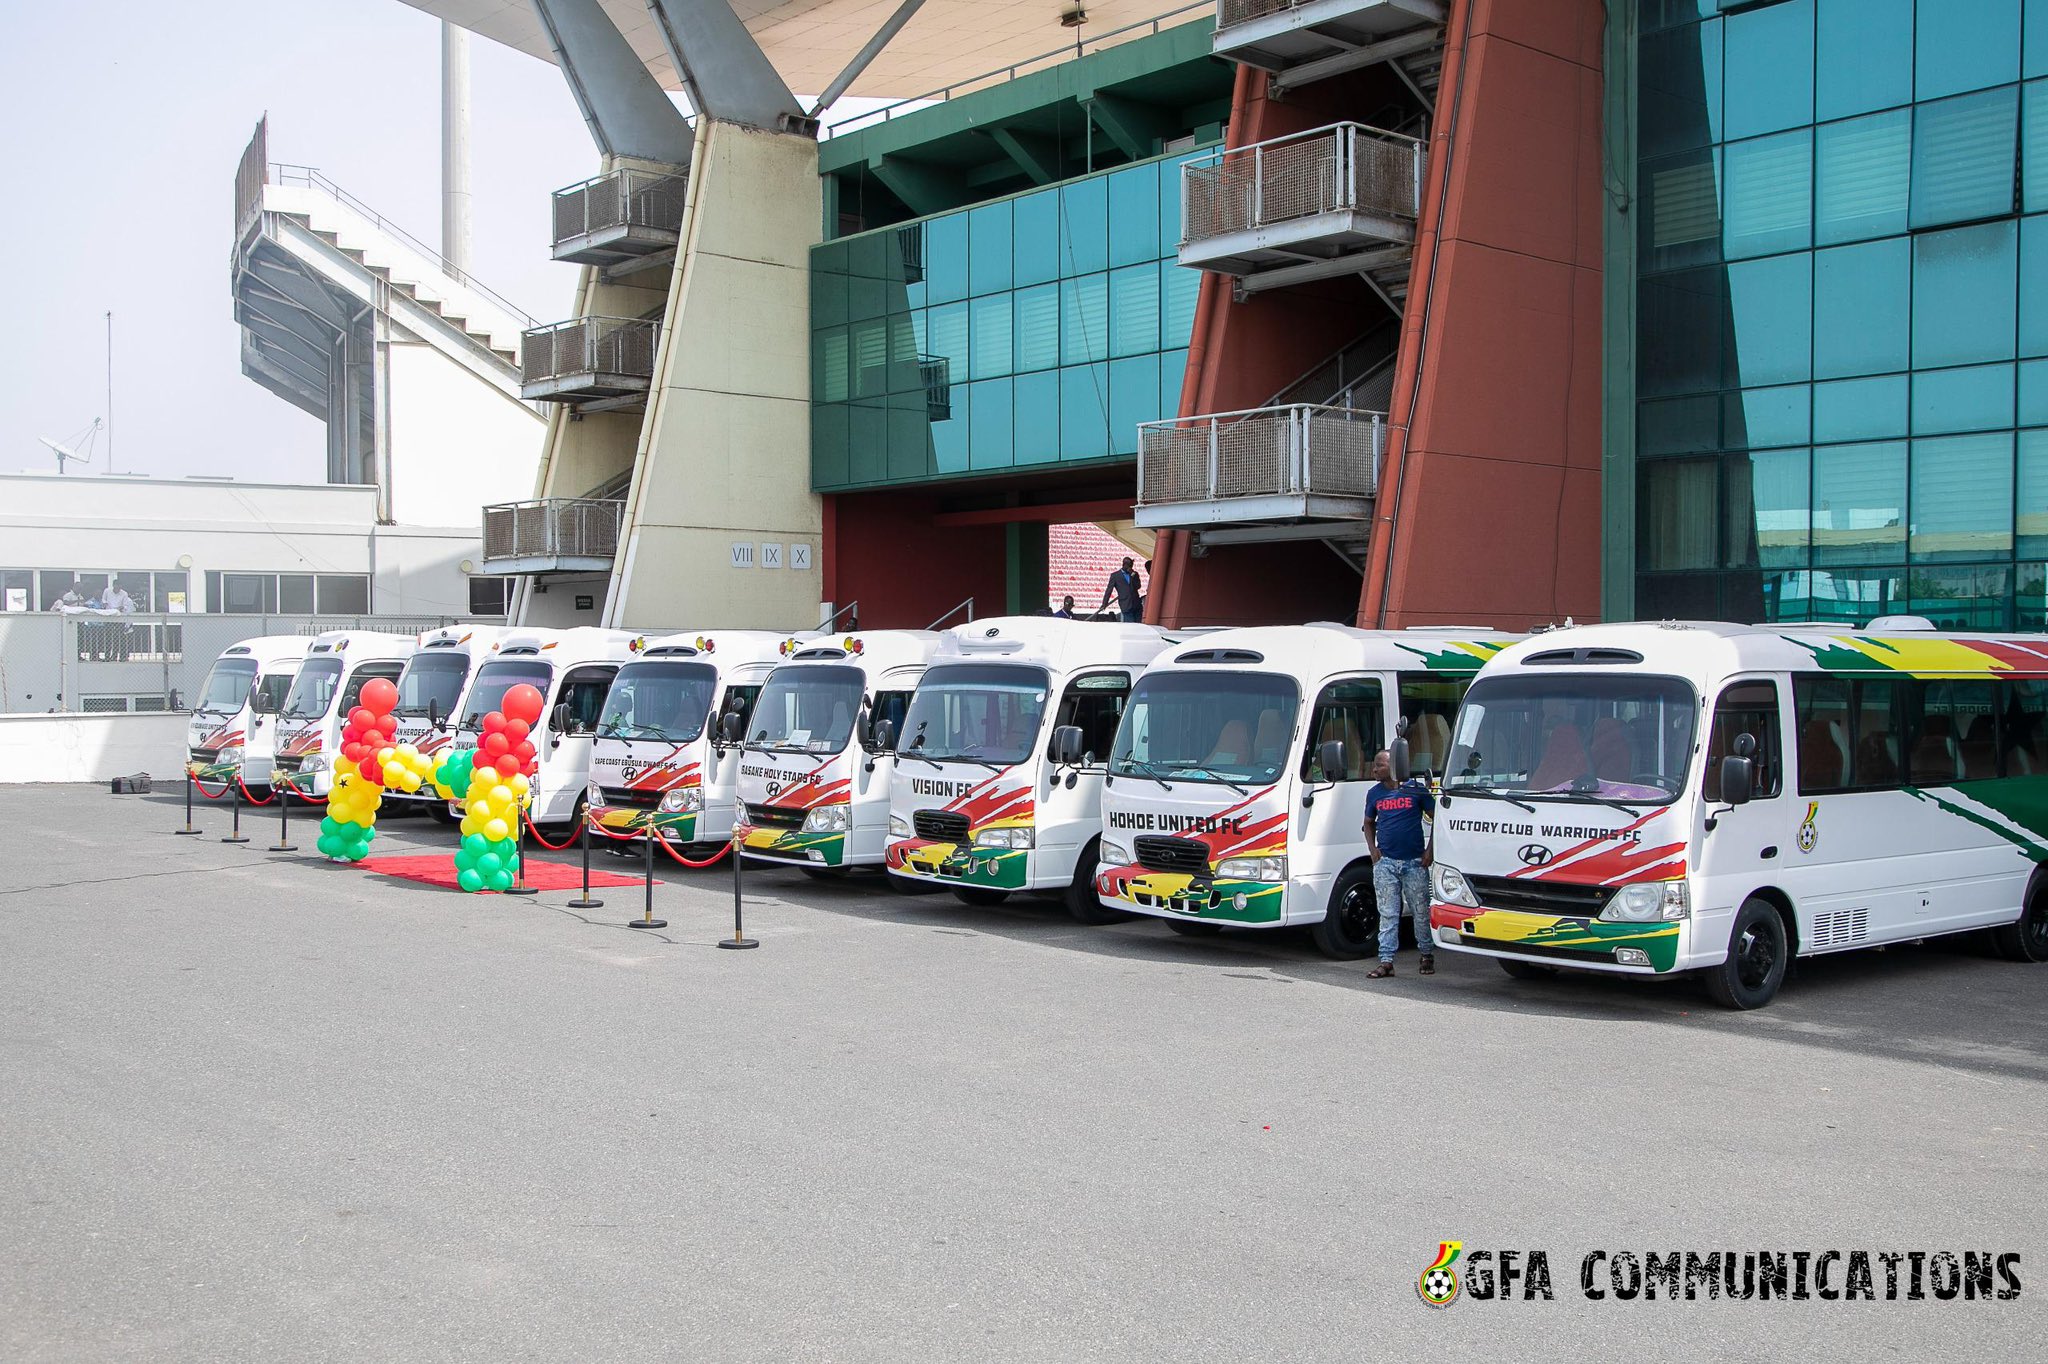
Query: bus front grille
1182	855
1565	898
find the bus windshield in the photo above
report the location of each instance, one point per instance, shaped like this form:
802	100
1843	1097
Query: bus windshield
431	678
808	708
1204	726
1571	735
496	678
659	699
977	712
313	689
227	686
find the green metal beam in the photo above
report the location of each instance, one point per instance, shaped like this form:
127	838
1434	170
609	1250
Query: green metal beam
1618	287
1038	157
1134	126
923	189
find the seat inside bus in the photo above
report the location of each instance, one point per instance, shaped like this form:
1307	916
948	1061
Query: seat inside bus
1564	759
1429	742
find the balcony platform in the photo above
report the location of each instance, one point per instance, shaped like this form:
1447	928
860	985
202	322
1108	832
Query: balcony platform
1286	472
1276	35
1319	237
615	219
552	535
590	361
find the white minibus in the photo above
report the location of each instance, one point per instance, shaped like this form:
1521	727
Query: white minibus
234	715
309	726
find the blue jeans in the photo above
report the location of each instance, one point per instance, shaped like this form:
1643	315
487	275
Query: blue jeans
1399	881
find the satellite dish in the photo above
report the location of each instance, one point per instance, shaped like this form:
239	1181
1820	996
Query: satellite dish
65	451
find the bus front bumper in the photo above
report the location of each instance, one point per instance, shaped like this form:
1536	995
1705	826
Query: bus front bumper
1641	949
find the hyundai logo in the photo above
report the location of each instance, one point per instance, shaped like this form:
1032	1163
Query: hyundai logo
1533	854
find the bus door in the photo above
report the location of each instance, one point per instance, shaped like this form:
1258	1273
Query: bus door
1756	842
1329	834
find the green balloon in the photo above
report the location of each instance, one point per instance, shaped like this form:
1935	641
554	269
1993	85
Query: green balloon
499	880
470	881
490	864
475	844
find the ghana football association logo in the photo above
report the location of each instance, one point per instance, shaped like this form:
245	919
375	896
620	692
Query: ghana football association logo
1438	1285
1809	833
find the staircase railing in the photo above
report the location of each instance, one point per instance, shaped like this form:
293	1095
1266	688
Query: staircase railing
1342	166
1296	450
553	527
623	198
589	345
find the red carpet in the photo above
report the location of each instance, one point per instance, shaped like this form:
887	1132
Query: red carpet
438	869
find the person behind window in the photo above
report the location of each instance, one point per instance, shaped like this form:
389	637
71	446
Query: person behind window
1400	861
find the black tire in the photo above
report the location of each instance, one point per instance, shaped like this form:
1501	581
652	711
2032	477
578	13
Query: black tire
1758	953
981	897
824	873
1350	926
1194	928
1525	970
1080	896
2026	938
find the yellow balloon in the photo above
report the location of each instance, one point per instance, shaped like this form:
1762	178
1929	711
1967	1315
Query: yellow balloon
497	830
520	786
501	795
471	825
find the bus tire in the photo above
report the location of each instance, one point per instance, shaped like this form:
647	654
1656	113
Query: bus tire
1350	926
1758	952
1525	970
1194	928
982	897
2026	938
1080	892
825	873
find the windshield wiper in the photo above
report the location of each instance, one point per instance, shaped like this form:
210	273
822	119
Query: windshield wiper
1147	768
1212	773
911	752
1486	793
1590	797
967	758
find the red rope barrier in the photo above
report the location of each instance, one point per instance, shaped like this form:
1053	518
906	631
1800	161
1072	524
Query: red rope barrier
251	799
663	844
296	790
193	777
534	829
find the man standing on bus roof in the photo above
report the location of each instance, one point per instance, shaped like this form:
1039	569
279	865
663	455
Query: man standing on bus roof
1124	586
1400	861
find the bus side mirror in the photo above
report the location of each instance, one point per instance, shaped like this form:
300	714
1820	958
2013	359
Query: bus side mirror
259	702
883	735
1397	753
561	719
730	729
1330	757
434	711
1738	775
1067	745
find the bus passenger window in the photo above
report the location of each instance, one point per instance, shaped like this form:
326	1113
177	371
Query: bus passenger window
1429	703
583	692
1877	739
2023	727
1954	738
1744	708
1825	727
1094	703
1348	712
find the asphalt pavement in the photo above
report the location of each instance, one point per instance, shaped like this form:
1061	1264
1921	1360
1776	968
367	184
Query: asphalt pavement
255	1106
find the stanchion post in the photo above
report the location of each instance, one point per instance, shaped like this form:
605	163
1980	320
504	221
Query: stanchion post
739	938
237	836
519	886
583	837
647	919
280	789
188	830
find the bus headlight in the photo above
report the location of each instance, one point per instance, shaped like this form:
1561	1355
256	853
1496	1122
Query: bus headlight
1452	888
1111	853
1252	869
1648	903
899	827
682	800
313	762
229	755
594	794
1005	838
828	819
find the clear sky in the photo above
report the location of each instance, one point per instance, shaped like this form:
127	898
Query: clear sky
124	120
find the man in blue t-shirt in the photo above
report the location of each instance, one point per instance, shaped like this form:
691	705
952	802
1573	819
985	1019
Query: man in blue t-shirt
1400	861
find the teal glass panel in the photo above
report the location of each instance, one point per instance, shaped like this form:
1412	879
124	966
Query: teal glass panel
989	417
831	373
1678	71
1084	319
2030	523
1962	498
2034	39
2034	145
1084	412
867	257
1771	305
828	285
1677	514
1035	230
1977	597
828	445
1770	195
1678	216
1768	509
1963	284
909	436
988	248
1134	215
993	336
2033	300
1038	327
1860	409
1861	297
1965	45
2030	598
1864	56
1133	398
1974	398
867	297
867	443
952	420
2033	393
1679	426
1181	288
1770	68
1859	504
1169	171
1173	373
945	258
945	337
1037	418
1084	226
1134	309
1963	158
868	347
1758	417
903	372
1862	177
1679	321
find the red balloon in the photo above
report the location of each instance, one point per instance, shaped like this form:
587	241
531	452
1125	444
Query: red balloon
523	750
361	717
355	752
508	766
515	730
494	746
493	723
379	695
523	702
371	769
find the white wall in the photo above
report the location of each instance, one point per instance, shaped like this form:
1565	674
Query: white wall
44	748
457	445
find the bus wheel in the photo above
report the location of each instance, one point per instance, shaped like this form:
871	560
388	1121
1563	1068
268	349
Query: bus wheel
1194	928
824	873
1525	970
1755	967
980	896
2025	938
1350	928
1080	894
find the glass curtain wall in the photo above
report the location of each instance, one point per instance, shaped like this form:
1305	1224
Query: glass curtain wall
1842	310
1031	331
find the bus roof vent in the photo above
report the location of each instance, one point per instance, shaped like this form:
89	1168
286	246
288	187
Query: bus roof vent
520	650
1895	623
1551	658
819	653
1221	656
672	651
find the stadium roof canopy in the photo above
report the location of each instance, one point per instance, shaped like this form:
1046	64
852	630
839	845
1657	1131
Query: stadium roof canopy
809	41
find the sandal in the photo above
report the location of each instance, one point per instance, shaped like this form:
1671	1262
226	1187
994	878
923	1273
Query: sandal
1429	966
1380	972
